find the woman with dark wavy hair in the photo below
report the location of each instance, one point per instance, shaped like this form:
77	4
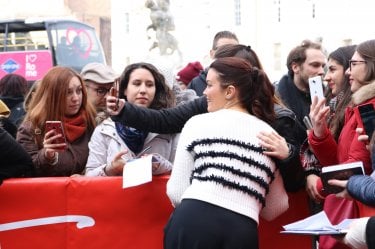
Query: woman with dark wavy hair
220	174
113	143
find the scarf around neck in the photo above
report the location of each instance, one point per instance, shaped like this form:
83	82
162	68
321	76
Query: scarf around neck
132	137
74	127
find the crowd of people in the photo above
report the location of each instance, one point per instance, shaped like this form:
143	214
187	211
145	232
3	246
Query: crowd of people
236	149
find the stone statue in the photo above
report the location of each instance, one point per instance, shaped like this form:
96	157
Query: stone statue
162	22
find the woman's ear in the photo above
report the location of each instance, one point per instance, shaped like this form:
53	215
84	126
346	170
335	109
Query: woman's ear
230	92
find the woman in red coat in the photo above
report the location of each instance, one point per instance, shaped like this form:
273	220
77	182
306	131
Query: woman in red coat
348	149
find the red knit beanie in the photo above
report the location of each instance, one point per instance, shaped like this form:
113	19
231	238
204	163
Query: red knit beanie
190	71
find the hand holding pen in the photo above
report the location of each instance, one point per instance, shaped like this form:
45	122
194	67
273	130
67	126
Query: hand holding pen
117	164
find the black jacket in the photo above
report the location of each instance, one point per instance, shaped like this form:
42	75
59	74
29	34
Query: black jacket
17	111
172	120
297	101
14	160
370	229
198	83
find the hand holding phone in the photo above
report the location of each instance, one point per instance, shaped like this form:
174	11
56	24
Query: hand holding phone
316	87
114	92
367	114
58	129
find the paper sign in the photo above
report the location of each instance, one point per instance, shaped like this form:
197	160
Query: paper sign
137	172
32	65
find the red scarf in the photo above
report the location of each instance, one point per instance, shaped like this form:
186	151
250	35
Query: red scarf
74	127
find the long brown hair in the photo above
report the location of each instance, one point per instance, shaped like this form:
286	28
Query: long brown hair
255	90
49	101
367	51
247	53
342	56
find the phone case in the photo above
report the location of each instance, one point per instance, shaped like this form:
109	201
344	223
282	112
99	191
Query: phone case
58	128
113	92
367	118
316	87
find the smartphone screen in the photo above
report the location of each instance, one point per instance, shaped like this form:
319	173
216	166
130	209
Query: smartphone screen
367	114
316	87
58	128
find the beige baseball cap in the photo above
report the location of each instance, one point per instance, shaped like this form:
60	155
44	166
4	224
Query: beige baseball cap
98	73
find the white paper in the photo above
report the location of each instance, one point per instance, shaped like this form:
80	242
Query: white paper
317	224
137	172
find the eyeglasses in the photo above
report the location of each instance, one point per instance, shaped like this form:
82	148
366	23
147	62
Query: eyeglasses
355	62
101	91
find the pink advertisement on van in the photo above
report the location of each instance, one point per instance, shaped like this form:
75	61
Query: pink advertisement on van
32	65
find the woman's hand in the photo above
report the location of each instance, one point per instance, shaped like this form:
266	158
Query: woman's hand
318	116
116	167
342	184
356	236
311	188
114	105
274	145
50	148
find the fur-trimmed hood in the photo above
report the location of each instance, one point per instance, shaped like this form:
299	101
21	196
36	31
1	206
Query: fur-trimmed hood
364	93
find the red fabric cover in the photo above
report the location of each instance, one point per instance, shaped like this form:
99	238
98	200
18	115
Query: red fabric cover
269	231
124	218
337	209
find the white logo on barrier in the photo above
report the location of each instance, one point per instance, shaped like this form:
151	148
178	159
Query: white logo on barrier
82	222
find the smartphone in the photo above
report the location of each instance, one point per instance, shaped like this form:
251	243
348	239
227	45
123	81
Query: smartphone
316	87
367	114
58	128
114	92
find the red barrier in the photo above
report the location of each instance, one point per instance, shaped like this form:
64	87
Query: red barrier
124	218
269	232
112	217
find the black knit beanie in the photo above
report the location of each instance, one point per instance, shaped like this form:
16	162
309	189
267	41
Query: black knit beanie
342	55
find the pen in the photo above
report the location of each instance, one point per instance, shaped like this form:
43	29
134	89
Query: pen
307	122
143	151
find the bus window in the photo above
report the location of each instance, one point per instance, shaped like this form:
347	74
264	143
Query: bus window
31	47
75	44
